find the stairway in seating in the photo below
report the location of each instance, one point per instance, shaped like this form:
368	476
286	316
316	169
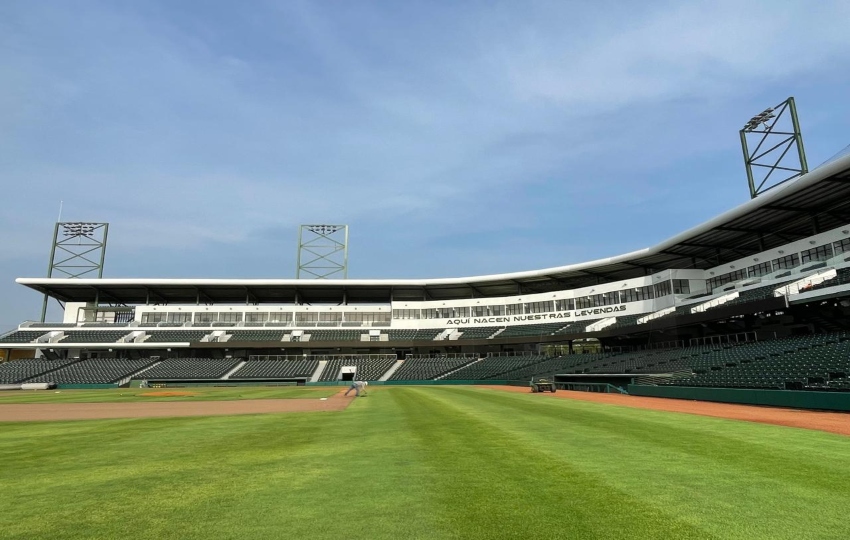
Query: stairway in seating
234	370
825	323
319	370
392	370
444	375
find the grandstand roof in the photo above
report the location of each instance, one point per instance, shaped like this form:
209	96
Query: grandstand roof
815	202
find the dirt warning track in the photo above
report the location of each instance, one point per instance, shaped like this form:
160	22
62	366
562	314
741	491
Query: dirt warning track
90	411
833	422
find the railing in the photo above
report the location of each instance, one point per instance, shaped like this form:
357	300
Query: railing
602	388
448	356
725	339
715	302
599	325
320	357
656	315
653	380
806	284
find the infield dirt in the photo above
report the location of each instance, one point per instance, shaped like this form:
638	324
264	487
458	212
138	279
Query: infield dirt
89	411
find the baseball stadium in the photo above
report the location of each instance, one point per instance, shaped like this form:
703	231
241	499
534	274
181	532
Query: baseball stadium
698	388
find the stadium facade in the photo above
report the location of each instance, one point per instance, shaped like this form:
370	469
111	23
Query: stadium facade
776	266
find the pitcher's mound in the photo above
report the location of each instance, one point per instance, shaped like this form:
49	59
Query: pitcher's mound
168	394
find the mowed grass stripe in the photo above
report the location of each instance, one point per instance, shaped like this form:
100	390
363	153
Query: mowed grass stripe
493	485
317	475
424	463
760	480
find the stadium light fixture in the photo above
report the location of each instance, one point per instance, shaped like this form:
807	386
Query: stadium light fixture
767	130
78	251
322	251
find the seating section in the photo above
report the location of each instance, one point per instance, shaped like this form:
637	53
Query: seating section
257	335
95	371
175	336
817	362
411	335
334	335
545	368
526	330
493	367
368	369
93	336
624	320
751	295
273	369
842	277
17	371
21	336
191	368
814	362
478	332
427	368
757	293
811	362
575	327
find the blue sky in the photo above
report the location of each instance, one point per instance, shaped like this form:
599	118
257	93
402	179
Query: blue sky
455	138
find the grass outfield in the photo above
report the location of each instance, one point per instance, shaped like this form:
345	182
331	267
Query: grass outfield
425	462
131	395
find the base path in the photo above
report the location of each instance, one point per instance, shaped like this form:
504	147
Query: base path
834	422
159	409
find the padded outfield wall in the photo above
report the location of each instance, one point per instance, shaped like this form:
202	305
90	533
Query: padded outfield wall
798	399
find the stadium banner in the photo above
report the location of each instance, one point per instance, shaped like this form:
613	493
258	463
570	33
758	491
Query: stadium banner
579	314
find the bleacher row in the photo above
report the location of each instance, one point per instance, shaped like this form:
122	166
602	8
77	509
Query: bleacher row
195	336
369	368
814	362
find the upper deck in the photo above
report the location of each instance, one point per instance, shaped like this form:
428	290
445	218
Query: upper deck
816	202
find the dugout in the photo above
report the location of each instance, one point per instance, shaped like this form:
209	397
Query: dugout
592	382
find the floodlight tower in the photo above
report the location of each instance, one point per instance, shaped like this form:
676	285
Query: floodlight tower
780	139
78	251
322	251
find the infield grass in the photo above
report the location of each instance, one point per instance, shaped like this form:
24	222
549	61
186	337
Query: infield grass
132	395
425	462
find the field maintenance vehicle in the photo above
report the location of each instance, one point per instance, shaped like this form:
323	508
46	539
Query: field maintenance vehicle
542	385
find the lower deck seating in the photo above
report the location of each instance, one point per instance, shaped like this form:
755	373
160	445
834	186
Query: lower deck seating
95	371
368	369
813	362
427	368
544	368
276	369
191	368
818	362
18	371
493	367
